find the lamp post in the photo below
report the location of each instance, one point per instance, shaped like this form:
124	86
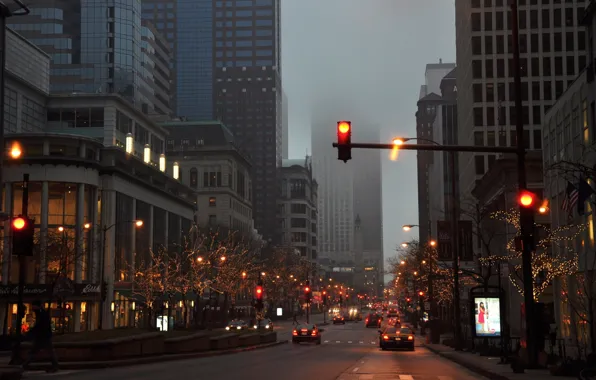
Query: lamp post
102	281
19	9
454	239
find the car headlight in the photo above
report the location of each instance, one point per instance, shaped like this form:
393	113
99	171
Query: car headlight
239	328
227	327
266	326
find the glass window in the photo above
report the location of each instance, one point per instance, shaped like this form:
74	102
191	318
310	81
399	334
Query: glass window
62	204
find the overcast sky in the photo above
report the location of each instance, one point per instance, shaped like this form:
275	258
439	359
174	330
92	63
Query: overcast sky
373	53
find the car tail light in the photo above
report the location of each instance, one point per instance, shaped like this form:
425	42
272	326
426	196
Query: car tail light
386	337
410	337
314	333
294	332
366	320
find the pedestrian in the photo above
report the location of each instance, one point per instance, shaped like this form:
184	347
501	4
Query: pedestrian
41	337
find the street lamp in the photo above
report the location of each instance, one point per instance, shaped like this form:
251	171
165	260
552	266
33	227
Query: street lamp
137	223
408	227
404	245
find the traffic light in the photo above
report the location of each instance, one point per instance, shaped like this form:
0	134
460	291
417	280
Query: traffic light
344	137
22	236
259	297
307	292
324	297
527	199
421	293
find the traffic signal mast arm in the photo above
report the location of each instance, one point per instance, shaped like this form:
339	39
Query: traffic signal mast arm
443	148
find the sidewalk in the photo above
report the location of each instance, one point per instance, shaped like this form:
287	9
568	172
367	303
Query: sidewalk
488	366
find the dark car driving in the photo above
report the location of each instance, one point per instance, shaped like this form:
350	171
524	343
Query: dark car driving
394	337
339	319
306	333
373	320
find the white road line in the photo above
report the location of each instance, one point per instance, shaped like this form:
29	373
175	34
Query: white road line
373	342
355	369
337	341
361	343
362	362
326	341
406	377
366	377
349	341
445	378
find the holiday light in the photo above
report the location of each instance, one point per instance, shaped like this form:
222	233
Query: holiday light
546	266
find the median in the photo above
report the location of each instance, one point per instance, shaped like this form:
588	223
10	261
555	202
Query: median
123	347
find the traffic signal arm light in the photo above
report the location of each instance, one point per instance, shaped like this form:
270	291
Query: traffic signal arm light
344	139
22	229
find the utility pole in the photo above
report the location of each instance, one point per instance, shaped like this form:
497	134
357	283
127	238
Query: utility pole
526	215
16	355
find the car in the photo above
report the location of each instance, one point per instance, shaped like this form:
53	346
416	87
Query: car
266	324
396	337
306	333
339	319
237	324
373	320
392	313
394	322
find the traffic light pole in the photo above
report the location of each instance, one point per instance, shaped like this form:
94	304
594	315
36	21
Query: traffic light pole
526	215
455	241
16	354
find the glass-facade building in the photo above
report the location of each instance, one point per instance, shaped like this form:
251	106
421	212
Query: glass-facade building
94	45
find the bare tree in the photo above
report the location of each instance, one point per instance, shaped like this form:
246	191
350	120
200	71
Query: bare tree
150	281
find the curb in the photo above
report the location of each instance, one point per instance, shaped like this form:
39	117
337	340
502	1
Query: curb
154	359
474	368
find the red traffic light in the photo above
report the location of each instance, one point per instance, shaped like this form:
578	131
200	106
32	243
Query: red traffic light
344	127
19	223
420	293
307	289
527	199
259	292
324	292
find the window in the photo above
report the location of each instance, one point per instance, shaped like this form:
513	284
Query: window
537	134
212	202
194	178
478	117
477	89
478	138
477	45
212	179
500	45
477	69
479	165
488	21
476	24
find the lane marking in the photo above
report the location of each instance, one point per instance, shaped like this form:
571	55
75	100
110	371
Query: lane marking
366	377
326	341
373	342
355	369
349	341
337	341
361	342
445	378
362	362
406	377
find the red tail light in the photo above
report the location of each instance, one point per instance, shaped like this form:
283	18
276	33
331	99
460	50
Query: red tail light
294	332
314	333
366	320
410	337
386	337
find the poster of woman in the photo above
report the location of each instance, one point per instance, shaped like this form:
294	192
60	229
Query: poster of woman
487	316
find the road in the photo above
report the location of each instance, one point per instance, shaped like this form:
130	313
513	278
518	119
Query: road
348	352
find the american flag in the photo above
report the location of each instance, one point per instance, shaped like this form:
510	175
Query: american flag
571	196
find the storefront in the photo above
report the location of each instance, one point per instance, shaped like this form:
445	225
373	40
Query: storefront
69	307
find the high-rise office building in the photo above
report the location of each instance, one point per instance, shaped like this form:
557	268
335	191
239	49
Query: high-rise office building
553	51
247	93
156	70
95	46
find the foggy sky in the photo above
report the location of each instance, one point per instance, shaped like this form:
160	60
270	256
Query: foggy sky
368	56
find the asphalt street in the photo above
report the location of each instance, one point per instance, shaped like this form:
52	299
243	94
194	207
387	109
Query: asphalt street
348	352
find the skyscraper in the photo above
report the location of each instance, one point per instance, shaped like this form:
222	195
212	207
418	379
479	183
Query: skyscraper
247	92
553	51
95	46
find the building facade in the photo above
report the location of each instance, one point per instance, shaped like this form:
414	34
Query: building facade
210	163
552	51
426	130
109	57
297	207
156	69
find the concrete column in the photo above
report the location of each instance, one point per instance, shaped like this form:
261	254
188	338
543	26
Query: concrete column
150	227
80	233
6	259
109	237
43	230
133	241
